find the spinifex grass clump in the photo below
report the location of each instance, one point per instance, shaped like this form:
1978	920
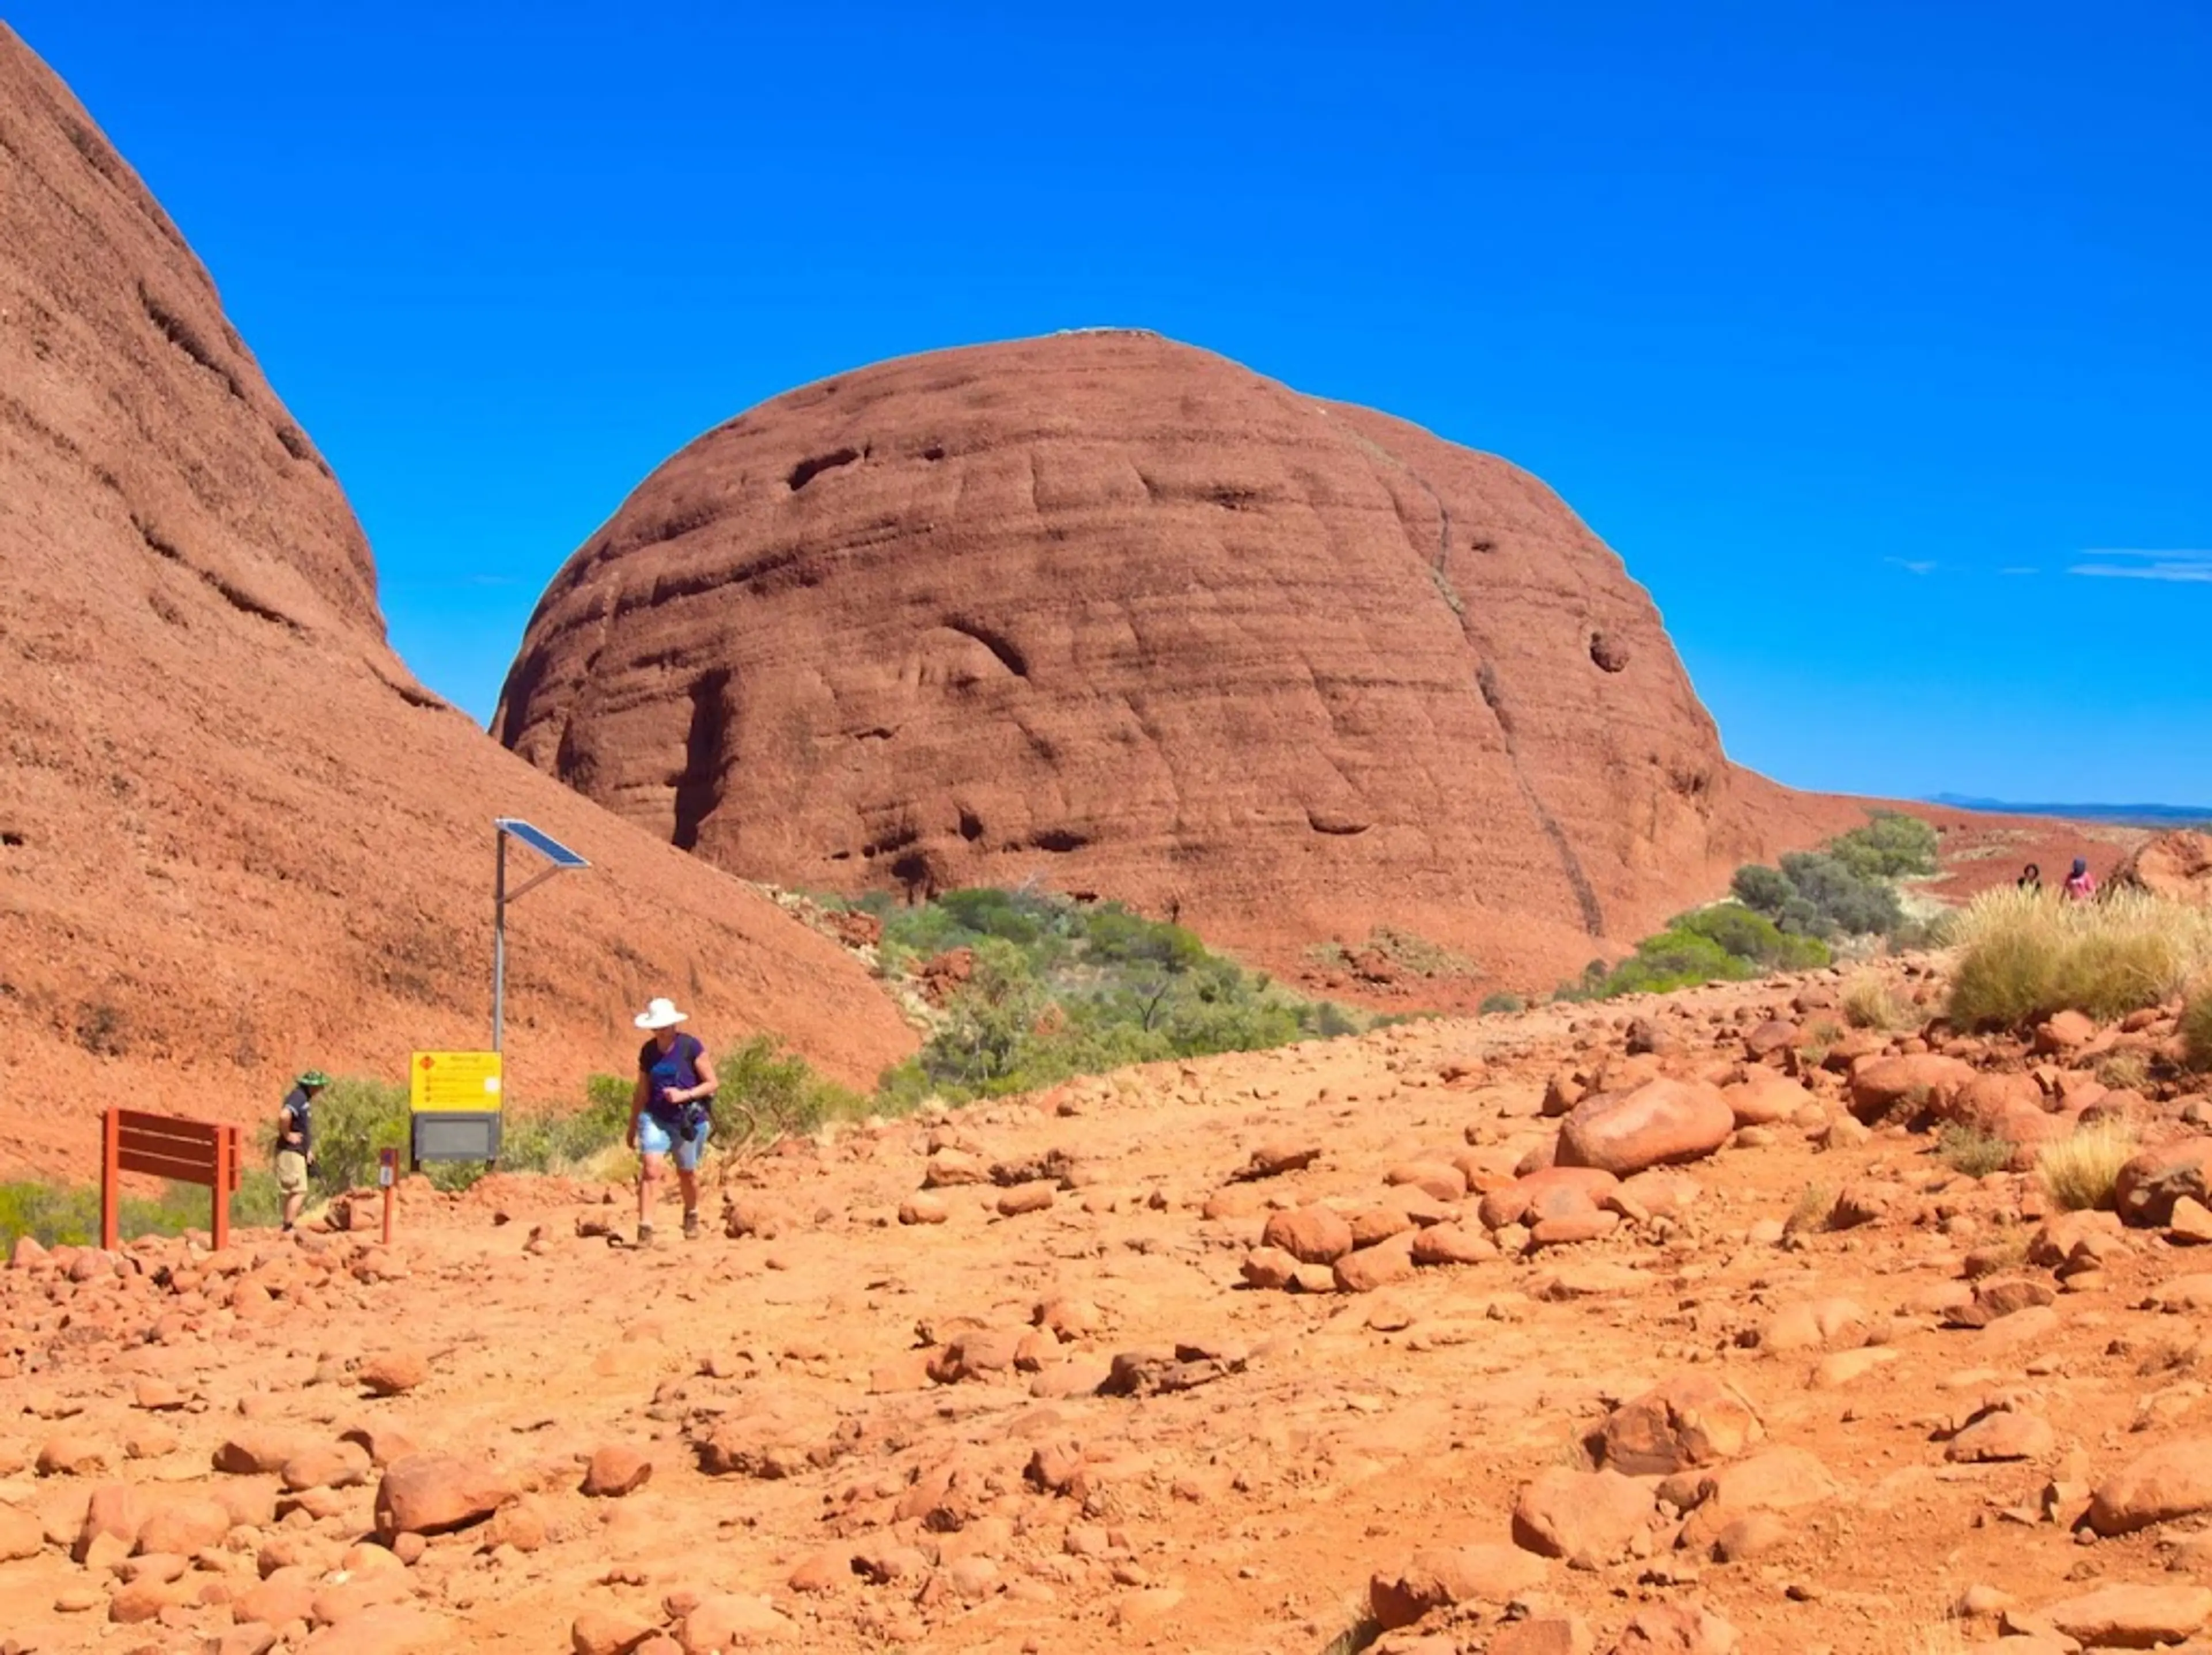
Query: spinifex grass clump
2023	955
1974	1152
1870	1002
2196	1029
2080	1172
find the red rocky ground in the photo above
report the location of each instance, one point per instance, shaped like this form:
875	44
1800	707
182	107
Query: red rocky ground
1219	1357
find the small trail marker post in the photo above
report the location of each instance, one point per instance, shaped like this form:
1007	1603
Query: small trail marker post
167	1146
387	1178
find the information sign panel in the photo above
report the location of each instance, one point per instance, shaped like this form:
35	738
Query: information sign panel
453	1082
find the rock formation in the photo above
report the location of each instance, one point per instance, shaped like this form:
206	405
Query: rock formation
1120	615
235	835
2177	866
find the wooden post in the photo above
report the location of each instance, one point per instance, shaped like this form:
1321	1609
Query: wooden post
111	1193
225	1163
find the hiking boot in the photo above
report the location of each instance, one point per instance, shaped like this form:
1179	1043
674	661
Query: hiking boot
691	1225
645	1235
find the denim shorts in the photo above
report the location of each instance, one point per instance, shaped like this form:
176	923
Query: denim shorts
653	1138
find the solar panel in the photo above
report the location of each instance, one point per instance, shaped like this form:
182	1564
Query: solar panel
543	843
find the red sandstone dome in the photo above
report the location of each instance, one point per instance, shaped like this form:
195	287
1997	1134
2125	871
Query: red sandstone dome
1120	616
236	838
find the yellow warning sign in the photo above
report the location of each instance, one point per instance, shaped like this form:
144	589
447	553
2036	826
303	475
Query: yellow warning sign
453	1082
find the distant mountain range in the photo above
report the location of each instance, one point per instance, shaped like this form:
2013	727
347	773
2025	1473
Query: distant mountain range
2147	816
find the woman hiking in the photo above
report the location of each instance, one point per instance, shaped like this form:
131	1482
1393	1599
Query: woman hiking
668	1112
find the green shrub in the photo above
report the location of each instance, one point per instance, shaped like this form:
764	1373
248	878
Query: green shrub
354	1118
1848	903
556	1139
1494	1005
1892	846
1847	888
1588	986
1801	918
1115	936
1325	1019
59	1216
1060	989
1925	932
1728	942
1676	959
1752	935
780	1089
52	1214
1764	889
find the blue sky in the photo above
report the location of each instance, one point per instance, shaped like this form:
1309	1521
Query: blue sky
1875	338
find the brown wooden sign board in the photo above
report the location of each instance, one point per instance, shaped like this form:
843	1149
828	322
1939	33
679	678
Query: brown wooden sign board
167	1146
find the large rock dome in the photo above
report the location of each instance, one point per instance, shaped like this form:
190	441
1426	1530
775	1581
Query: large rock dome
1111	612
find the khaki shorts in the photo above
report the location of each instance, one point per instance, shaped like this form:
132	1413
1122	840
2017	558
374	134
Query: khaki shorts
291	1172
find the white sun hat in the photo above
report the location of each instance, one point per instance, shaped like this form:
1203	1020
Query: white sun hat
659	1014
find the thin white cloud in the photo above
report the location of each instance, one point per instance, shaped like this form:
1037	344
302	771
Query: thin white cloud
2190	568
1912	565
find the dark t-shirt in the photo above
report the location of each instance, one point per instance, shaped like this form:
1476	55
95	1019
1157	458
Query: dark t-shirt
677	1069
298	1117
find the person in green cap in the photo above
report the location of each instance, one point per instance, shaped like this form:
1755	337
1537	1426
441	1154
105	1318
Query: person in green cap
296	1142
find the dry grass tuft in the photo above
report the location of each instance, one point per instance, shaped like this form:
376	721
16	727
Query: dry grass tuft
1971	1151
1813	1210
2125	1071
2024	955
612	1165
2196	1029
1821	1036
1870	1001
1940	1633
2079	1172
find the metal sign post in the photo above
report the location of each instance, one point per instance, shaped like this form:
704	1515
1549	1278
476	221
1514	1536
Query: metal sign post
560	858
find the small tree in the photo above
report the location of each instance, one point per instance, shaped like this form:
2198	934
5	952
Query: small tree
991	1017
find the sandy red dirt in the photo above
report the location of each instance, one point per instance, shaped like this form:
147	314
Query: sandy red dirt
1281	1449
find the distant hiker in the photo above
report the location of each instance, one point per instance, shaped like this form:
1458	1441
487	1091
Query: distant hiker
668	1113
296	1142
2031	878
2080	884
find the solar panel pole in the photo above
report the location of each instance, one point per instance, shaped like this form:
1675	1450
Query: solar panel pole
559	860
499	943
